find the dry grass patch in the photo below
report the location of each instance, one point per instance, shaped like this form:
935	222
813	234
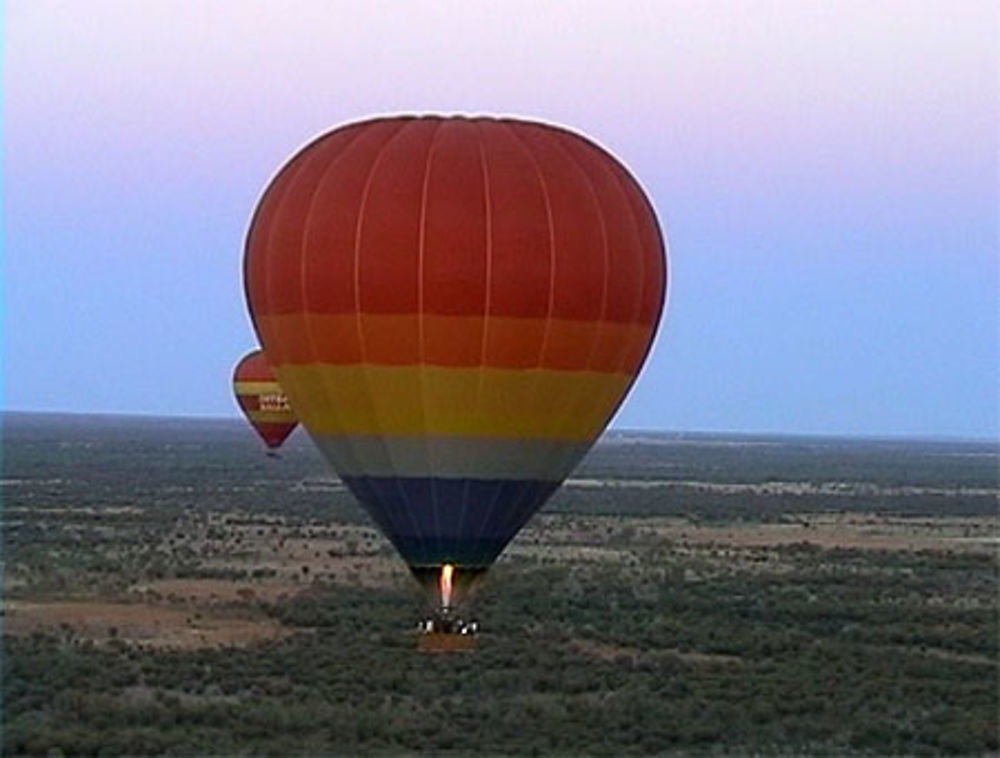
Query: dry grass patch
216	591
834	530
153	625
849	531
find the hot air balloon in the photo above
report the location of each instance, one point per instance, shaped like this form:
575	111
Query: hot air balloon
262	400
456	308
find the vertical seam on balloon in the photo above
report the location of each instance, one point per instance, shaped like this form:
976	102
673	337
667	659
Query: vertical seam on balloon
521	515
498	486
357	314
664	255
528	491
251	230
552	276
552	245
642	270
620	177
420	326
487	200
605	248
348	439
599	326
267	263
306	312
293	170
484	168
607	267
356	273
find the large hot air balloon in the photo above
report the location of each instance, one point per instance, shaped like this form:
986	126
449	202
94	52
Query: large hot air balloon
456	307
262	400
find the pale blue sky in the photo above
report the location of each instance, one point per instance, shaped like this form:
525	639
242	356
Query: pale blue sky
826	174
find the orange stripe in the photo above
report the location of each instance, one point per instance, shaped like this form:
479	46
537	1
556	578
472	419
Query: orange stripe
392	340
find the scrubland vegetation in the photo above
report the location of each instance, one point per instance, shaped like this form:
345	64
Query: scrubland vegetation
169	589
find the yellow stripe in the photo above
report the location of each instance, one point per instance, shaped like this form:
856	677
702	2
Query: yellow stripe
257	388
408	400
271	417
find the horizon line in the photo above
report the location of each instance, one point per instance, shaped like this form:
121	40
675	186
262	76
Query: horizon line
679	433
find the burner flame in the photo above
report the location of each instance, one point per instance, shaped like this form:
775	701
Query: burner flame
446	571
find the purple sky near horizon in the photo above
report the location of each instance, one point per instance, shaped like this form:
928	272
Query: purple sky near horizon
826	174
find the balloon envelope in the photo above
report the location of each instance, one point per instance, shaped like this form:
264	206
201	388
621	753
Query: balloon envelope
262	400
456	308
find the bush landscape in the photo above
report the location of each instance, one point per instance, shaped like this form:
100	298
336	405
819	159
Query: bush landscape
169	589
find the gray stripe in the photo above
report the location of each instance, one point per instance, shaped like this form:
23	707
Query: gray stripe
451	457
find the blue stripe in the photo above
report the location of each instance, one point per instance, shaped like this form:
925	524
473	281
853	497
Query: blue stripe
423	516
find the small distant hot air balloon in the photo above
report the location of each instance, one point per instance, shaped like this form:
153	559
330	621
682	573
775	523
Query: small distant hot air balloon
262	400
456	308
